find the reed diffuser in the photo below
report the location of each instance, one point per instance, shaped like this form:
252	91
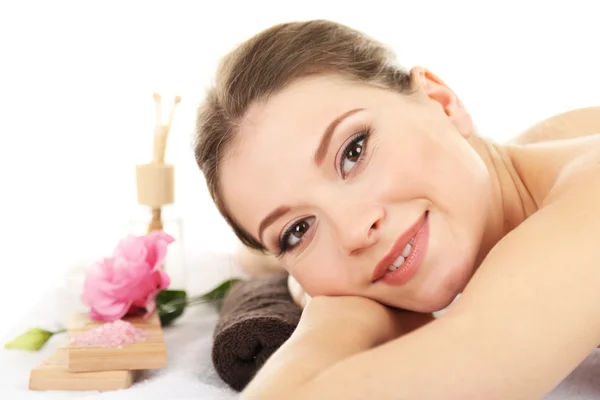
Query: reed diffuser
155	180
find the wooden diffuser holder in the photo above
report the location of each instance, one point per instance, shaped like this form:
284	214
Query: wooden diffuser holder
155	189
155	181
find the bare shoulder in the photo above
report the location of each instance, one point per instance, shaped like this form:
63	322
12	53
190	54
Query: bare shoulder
581	174
567	125
540	165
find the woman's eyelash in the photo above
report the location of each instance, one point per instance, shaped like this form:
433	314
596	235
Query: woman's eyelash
282	246
301	226
363	135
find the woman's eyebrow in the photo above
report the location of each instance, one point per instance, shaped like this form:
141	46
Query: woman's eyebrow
326	137
270	218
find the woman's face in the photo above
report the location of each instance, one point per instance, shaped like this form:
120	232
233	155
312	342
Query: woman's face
363	191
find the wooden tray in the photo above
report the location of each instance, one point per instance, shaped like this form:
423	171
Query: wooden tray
81	368
148	354
52	374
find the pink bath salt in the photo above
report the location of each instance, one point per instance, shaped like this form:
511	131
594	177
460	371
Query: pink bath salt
110	334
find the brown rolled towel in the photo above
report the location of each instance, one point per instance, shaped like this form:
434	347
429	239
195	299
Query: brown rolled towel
257	316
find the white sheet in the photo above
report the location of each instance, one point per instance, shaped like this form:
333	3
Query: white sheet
190	374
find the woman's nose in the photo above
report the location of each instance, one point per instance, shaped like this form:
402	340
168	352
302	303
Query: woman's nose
361	229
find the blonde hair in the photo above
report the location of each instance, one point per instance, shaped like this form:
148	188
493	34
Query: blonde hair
264	65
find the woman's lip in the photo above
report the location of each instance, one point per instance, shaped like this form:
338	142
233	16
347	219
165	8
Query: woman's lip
382	267
411	265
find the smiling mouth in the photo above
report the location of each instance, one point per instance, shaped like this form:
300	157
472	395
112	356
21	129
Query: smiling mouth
404	252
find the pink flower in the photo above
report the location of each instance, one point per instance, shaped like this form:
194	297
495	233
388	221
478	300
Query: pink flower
128	282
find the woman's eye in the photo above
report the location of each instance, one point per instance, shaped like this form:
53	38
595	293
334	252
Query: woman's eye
352	154
294	234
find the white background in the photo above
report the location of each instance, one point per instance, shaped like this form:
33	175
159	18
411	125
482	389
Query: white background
76	111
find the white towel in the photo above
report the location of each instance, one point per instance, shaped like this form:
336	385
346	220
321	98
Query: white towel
190	374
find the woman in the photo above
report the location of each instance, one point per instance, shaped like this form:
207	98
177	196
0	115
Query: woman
371	185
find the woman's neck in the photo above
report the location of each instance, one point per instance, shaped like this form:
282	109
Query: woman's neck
511	202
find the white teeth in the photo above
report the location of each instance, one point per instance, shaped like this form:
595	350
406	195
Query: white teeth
406	250
398	262
405	253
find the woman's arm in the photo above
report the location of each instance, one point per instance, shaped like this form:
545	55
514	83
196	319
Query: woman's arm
529	316
330	330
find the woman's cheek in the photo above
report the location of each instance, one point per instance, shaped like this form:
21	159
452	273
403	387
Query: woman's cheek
322	279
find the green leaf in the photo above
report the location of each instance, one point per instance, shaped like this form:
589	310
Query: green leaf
170	304
32	340
166	296
220	291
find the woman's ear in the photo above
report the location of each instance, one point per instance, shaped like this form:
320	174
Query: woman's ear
435	89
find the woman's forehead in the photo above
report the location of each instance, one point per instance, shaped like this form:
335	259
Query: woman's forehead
307	100
303	110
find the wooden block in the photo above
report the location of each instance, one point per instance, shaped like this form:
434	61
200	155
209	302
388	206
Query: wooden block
52	374
148	354
155	184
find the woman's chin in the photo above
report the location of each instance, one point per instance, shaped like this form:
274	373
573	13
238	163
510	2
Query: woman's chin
437	291
428	303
